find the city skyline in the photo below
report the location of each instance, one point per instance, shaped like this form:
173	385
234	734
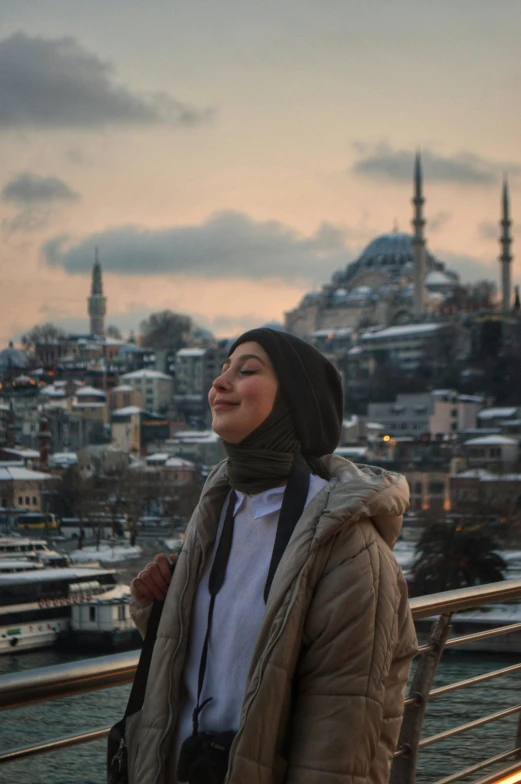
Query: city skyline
228	160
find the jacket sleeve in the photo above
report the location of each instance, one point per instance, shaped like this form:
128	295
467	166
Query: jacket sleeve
358	642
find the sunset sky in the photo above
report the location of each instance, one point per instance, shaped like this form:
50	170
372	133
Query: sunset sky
226	156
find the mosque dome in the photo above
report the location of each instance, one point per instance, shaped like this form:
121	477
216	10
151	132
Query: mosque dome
392	254
13	357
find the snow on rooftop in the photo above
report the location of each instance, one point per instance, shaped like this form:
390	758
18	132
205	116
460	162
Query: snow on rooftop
106	554
143	374
178	462
436	278
491	441
17	473
127	411
474	473
122	388
495	413
52	391
191	352
90	391
400	331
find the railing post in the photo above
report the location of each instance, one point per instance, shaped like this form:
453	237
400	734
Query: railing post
403	770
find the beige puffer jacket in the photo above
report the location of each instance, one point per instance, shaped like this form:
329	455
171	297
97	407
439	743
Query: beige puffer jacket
324	696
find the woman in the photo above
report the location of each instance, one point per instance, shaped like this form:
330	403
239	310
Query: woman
286	628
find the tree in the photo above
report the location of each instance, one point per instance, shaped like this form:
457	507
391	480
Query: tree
75	497
165	330
41	333
455	555
113	332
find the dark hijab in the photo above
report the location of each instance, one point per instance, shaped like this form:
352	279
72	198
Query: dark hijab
306	417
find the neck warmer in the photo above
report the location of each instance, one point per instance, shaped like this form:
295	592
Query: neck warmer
263	459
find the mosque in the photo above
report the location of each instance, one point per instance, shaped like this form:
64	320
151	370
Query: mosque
395	281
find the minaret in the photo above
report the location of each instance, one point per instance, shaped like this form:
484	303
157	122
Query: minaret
97	302
505	259
418	241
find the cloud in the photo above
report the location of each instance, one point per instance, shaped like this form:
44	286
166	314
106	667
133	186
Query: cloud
488	230
56	83
439	220
29	189
470	268
382	162
229	244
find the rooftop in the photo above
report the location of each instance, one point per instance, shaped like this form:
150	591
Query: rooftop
138	374
491	441
15	473
495	413
401	331
90	392
191	352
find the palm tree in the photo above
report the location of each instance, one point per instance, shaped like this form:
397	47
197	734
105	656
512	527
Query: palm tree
455	555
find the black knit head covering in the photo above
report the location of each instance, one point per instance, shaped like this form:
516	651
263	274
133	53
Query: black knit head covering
309	384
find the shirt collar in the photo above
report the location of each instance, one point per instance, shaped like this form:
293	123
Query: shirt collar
264	503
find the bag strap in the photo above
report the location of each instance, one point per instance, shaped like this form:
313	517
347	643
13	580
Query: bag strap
293	504
137	692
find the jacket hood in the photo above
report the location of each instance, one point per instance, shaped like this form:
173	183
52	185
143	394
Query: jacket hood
361	491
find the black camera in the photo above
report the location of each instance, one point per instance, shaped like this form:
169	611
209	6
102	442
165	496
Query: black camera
203	758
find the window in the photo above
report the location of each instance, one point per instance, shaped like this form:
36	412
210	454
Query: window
92	613
20	500
27	500
121	612
418	488
35	501
495	451
436	488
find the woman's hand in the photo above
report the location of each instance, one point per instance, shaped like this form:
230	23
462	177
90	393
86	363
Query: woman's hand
152	583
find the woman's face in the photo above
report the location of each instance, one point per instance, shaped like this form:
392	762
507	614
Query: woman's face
243	395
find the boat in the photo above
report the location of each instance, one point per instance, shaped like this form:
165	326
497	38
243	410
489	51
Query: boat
35	605
35	550
102	623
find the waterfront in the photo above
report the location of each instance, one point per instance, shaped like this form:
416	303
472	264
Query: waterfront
85	764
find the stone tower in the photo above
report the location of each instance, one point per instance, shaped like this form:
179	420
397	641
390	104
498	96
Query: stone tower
418	241
505	258
97	302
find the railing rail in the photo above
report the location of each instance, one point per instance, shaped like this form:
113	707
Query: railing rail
26	688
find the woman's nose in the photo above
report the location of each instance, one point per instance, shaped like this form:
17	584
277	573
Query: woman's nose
222	381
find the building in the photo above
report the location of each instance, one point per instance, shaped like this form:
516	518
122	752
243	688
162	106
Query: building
134	430
408	345
478	491
92	403
24	490
126	395
494	452
156	387
439	413
498	417
394	281
430	490
97	302
195	370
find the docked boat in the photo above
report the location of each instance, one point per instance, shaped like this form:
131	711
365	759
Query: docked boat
36	605
103	623
35	550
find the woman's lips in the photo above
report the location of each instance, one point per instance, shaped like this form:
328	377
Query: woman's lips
223	404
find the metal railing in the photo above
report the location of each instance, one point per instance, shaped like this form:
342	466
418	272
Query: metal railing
33	686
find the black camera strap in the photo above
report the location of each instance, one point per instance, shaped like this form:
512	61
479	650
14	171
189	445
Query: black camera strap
293	504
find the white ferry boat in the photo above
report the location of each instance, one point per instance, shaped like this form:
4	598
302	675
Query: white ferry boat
35	605
36	550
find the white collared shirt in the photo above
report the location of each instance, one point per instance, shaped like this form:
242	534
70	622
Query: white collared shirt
237	617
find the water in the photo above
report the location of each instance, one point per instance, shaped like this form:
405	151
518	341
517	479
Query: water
85	764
